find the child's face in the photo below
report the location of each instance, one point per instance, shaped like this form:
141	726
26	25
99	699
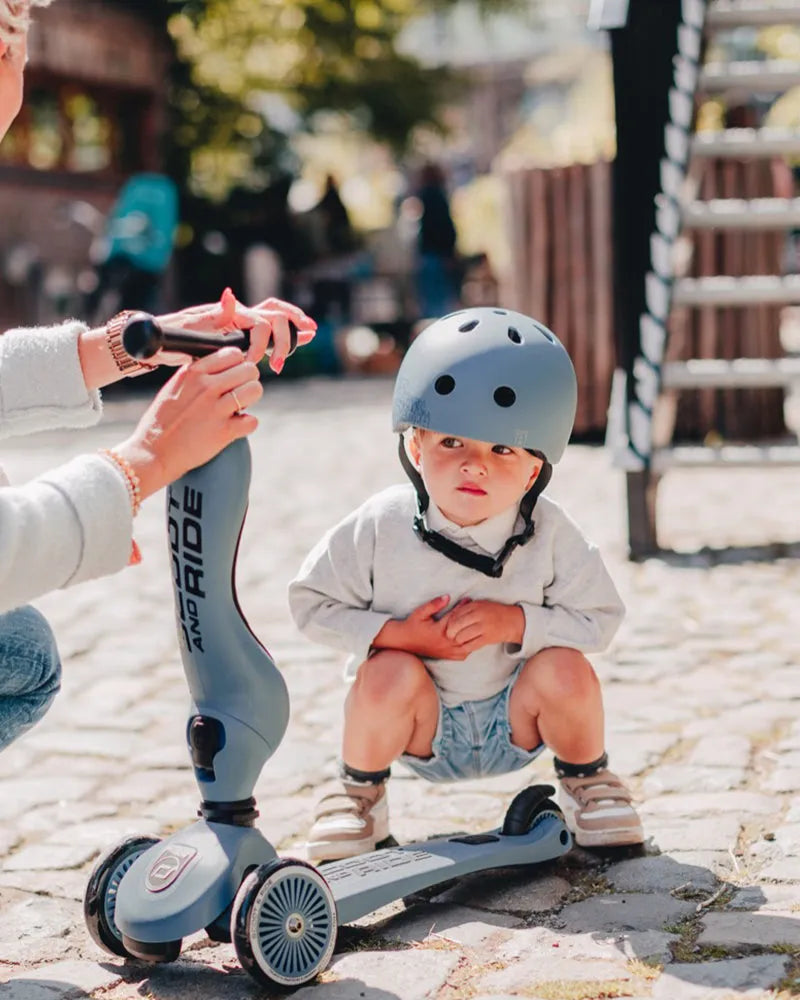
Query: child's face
468	480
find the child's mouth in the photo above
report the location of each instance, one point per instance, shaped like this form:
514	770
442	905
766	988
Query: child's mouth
475	491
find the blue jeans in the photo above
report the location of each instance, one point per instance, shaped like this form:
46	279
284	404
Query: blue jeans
30	671
473	740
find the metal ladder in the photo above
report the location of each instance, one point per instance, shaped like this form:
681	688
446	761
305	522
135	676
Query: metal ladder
643	403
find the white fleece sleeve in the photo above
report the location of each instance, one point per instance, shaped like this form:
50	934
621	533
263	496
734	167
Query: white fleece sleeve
72	524
581	608
331	597
41	381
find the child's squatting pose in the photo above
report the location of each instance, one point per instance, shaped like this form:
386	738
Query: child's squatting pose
466	600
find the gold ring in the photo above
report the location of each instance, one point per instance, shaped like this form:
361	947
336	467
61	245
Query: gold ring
239	406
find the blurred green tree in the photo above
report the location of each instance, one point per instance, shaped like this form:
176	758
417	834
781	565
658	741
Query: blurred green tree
314	55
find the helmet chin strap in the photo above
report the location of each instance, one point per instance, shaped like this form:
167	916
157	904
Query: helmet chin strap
488	565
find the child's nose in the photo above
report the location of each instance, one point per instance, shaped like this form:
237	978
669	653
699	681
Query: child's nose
473	460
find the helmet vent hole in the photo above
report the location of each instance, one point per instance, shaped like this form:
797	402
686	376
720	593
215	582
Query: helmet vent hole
444	385
469	325
505	396
514	335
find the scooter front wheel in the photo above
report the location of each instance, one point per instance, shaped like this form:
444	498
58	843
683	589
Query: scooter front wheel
283	924
528	808
100	898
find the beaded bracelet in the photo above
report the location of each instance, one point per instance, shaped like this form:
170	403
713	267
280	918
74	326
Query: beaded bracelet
132	483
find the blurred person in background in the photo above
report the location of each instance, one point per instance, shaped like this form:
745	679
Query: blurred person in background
75	522
437	261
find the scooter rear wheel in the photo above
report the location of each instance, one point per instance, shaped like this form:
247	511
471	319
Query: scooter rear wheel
528	808
100	898
283	924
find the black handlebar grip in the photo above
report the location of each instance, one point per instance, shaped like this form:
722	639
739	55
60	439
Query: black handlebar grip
143	336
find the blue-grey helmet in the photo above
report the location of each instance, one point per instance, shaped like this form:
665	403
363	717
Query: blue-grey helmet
489	374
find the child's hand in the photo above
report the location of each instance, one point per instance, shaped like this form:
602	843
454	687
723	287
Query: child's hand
421	633
473	624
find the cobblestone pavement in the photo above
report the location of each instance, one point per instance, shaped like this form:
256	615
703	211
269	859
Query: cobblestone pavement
702	689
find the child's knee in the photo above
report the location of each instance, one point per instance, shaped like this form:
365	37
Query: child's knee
390	677
561	673
29	660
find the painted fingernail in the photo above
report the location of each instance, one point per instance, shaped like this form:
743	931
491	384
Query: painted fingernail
277	365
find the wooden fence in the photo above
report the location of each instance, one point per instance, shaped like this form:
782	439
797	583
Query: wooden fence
562	273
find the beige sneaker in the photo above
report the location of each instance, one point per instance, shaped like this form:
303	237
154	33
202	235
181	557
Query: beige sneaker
349	820
599	811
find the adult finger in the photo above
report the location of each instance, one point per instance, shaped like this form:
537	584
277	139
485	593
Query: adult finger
281	344
279	307
237	399
219	361
242	374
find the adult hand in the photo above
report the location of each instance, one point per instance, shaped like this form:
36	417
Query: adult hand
484	623
193	417
422	633
268	323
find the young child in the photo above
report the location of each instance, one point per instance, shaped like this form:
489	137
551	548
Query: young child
467	600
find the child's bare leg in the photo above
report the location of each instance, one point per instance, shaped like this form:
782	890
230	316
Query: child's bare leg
391	708
557	700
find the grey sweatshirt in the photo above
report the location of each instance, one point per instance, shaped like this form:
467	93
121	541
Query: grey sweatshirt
372	567
73	523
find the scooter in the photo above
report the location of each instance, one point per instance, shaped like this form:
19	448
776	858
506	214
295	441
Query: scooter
220	873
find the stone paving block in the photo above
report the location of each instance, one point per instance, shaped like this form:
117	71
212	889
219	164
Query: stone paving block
782	870
43	820
682	778
721	751
46	856
546	942
718	980
702	804
37	930
462	925
102	833
709	833
370	975
632	753
48	882
523	977
658	874
762	929
22	794
508	890
111	743
767	898
784	779
57	980
625	912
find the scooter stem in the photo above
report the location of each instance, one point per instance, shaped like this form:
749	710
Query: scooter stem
240	705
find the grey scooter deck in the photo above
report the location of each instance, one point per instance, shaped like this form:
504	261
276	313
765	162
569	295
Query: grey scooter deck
360	885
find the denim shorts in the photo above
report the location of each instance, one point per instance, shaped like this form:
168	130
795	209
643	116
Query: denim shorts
30	671
473	740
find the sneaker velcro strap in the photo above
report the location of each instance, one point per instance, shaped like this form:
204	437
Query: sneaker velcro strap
339	803
604	793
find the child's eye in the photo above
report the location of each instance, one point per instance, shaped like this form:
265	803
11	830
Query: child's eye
502	449
450	442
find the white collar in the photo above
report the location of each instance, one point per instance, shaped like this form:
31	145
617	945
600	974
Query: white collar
490	535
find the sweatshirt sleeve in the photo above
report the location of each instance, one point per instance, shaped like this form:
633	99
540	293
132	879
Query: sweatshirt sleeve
581	607
41	381
331	597
72	524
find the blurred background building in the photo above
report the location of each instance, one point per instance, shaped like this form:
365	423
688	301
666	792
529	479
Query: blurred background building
169	148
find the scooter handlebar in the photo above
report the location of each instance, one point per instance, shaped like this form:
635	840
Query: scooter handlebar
143	336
